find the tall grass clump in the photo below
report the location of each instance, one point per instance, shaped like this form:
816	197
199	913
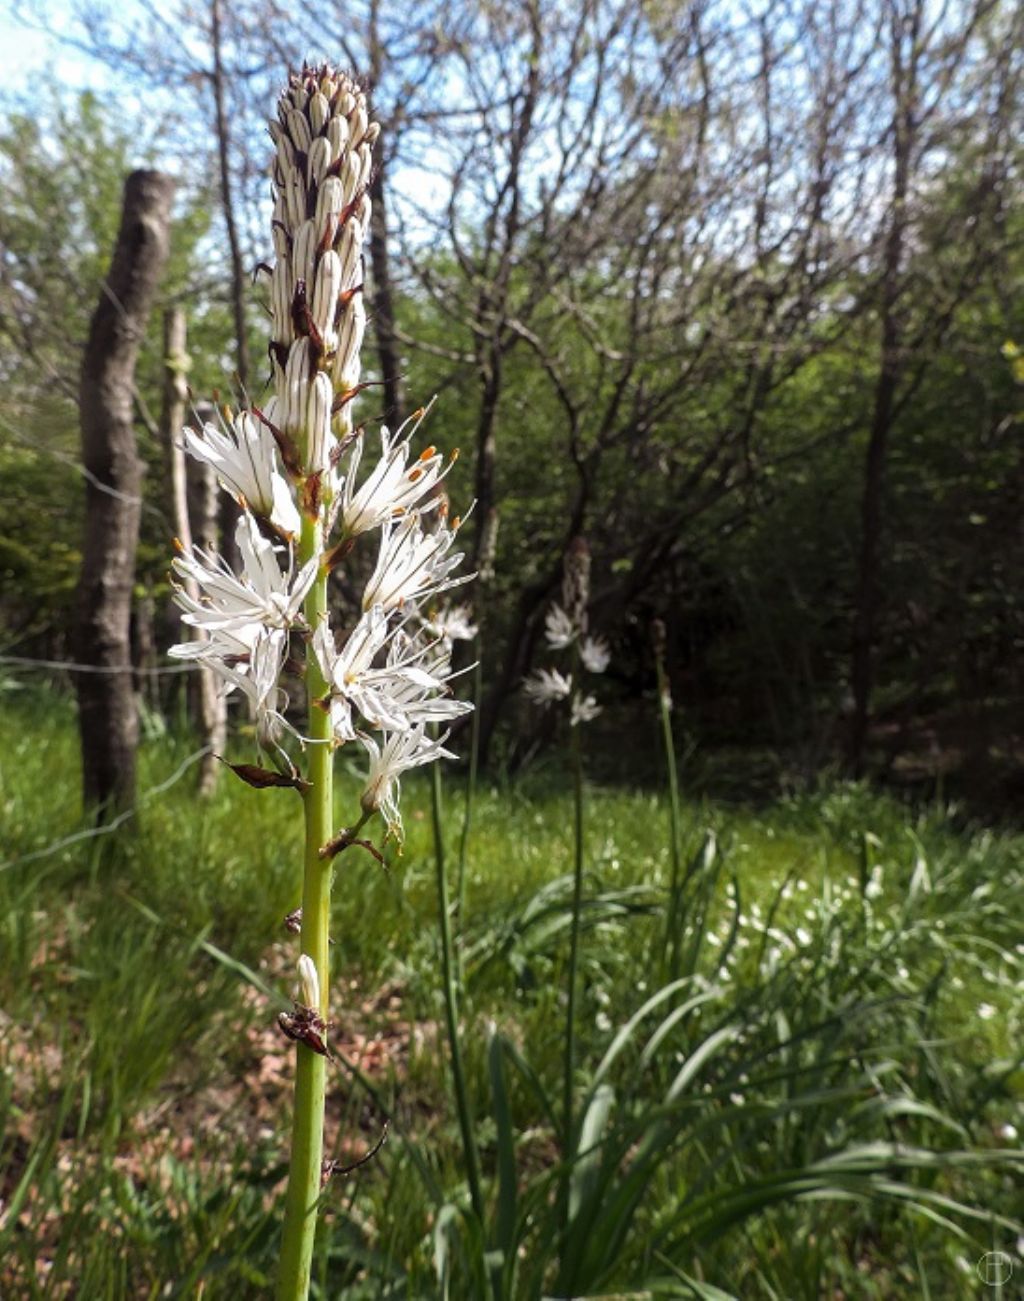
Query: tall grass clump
777	1088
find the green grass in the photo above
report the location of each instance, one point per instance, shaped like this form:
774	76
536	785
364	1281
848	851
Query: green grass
847	1030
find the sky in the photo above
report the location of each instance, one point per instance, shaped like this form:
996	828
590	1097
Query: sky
26	51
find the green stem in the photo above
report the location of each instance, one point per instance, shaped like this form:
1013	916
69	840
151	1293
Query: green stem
310	1067
673	922
472	1157
467	816
574	944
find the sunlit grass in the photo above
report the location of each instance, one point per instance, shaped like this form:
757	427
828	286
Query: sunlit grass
129	1021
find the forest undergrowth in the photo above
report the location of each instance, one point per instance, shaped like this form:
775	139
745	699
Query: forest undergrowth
810	1088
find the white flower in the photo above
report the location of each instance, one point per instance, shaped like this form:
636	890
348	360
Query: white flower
452	624
309	982
399	752
584	710
349	671
547	685
391	489
558	628
257	678
419	690
245	460
876	885
409	689
411	564
1008	1132
264	595
222	645
986	1011
594	654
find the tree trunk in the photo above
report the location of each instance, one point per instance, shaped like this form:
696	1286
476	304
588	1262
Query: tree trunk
866	602
108	722
866	599
380	252
383	298
484	491
209	706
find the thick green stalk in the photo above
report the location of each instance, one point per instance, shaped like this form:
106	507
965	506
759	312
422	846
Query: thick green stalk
310	1068
673	923
574	944
469	1148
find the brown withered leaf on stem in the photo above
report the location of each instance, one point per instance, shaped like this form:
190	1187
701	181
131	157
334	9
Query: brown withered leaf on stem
262	778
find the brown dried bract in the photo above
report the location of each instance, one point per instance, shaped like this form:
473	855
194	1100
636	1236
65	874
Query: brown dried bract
306	1025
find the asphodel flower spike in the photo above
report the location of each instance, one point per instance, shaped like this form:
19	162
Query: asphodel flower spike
293	468
565	629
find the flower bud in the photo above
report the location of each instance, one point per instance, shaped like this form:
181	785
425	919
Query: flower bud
337	136
296	387
309	982
329	204
281	302
298	129
318	161
358	123
318	423
304	253
351	170
295	198
349	247
350	339
319	111
325	297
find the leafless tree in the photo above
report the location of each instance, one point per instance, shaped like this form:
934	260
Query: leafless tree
199	504
928	91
